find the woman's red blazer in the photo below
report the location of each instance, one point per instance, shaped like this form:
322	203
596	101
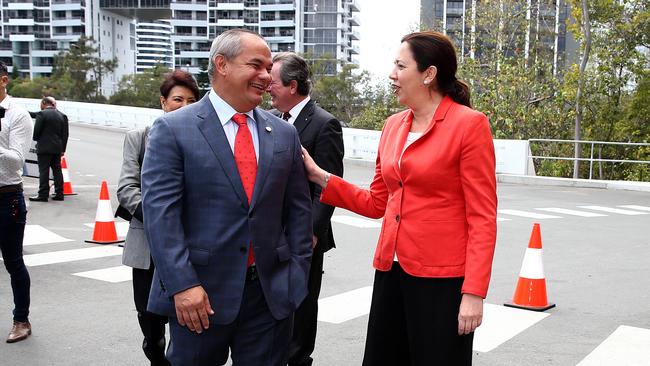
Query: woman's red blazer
439	206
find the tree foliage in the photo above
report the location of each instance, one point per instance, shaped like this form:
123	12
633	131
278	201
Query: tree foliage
141	90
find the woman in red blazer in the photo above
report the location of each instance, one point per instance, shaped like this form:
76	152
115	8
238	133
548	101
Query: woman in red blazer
435	187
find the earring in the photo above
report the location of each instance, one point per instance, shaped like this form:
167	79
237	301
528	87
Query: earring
426	82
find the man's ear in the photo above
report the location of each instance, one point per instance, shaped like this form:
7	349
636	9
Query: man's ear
220	65
293	85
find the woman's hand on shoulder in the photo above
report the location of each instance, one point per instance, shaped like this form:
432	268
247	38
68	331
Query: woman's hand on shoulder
470	314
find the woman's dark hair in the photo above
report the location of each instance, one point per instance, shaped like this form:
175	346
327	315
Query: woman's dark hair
435	49
179	78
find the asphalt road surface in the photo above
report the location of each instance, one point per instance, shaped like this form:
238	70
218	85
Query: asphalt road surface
596	257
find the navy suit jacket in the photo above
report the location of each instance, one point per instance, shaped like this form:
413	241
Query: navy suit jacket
199	223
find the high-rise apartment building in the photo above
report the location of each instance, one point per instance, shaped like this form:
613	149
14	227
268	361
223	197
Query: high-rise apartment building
546	22
176	33
314	27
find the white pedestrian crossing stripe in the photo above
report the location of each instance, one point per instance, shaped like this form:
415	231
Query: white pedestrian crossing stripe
627	346
112	274
614	210
63	256
532	215
499	219
570	212
636	207
122	227
346	306
36	234
501	323
356	221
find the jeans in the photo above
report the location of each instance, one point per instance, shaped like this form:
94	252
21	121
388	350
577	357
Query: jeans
13	214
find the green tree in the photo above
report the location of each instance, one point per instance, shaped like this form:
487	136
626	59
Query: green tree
141	90
34	88
379	103
80	71
203	79
340	94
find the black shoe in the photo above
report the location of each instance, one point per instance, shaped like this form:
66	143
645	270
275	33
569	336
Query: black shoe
57	198
38	199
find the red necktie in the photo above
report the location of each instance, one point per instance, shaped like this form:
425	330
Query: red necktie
246	162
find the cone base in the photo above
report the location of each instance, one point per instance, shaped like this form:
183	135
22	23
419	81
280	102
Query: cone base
104	242
533	308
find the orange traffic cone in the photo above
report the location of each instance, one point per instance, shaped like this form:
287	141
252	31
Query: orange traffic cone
67	186
530	293
104	232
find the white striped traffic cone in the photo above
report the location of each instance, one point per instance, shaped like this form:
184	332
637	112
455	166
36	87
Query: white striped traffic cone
67	185
530	293
104	231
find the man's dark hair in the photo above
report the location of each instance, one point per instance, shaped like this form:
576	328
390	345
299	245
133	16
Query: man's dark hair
295	68
3	69
47	101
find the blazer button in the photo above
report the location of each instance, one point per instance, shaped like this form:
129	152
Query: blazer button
400	183
397	218
250	215
242	249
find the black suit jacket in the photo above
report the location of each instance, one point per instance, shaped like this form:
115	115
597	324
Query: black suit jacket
50	131
322	136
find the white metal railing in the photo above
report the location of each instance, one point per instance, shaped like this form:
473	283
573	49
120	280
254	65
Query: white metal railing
591	158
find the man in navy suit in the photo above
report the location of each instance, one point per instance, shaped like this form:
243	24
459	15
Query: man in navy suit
227	214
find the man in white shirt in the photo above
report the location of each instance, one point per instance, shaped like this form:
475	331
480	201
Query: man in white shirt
15	138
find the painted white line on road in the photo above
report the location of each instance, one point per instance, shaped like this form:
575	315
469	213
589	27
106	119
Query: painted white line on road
36	234
122	227
356	221
501	323
346	306
73	139
499	219
636	207
627	346
63	256
532	215
570	212
112	274
614	210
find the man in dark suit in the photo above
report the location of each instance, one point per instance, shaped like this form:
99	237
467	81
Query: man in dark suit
321	135
228	216
51	135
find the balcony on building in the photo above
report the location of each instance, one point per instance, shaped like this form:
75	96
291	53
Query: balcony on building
139	9
277	5
230	5
62	5
196	5
354	5
15	5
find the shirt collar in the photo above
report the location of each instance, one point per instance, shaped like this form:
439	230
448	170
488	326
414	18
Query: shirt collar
295	111
224	110
6	103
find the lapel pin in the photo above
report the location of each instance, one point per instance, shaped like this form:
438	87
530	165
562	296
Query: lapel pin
268	129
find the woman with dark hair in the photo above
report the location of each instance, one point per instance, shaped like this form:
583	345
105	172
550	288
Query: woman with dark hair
177	90
435	187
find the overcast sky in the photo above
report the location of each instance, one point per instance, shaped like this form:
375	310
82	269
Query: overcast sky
383	24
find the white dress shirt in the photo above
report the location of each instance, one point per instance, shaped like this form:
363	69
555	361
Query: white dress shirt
225	113
295	111
15	140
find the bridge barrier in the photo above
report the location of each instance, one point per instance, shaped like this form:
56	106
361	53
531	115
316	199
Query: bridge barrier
360	145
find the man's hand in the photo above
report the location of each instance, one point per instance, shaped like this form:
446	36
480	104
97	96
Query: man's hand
314	240
470	314
192	309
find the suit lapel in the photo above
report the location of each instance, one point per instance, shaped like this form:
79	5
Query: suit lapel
304	117
266	138
213	132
